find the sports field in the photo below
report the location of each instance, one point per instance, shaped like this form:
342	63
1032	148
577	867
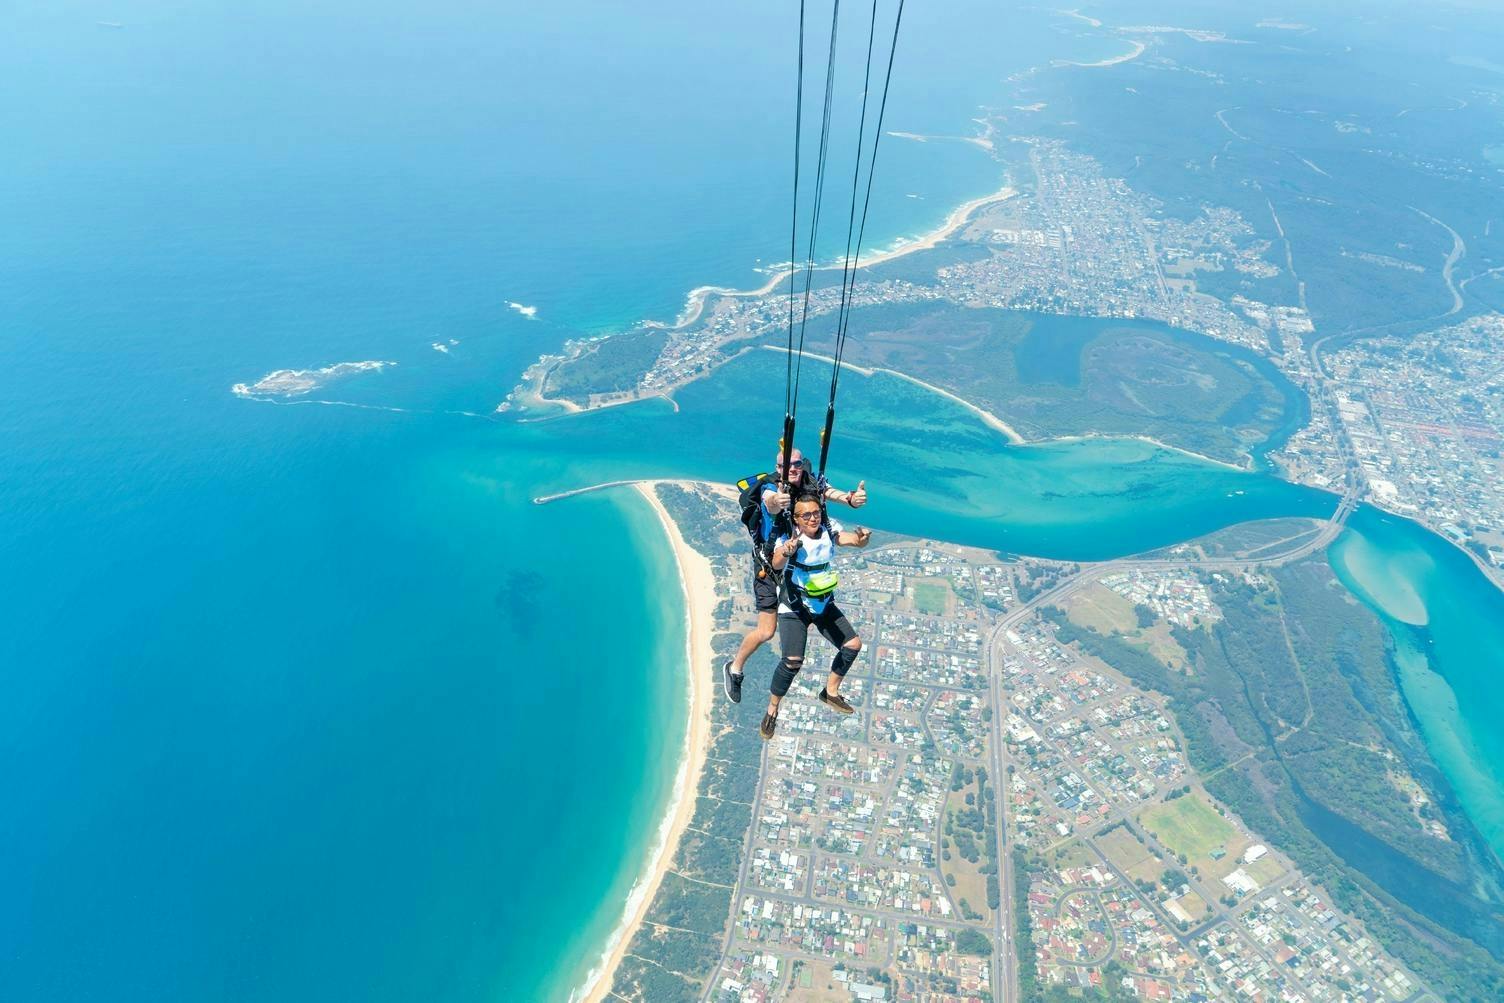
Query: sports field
1190	826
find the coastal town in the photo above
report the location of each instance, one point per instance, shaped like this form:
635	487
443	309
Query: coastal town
1003	814
1413	426
1075	242
1015	809
1424	421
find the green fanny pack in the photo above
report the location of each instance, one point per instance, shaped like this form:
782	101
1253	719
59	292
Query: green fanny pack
821	583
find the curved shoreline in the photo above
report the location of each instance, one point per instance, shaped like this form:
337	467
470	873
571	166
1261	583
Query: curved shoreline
997	424
697	582
698	296
989	419
694	304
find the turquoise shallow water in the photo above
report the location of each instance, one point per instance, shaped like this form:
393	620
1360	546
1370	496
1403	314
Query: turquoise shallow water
1448	623
291	697
933	468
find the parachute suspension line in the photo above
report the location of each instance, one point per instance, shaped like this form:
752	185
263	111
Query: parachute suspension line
814	225
787	443
848	275
843	319
794	222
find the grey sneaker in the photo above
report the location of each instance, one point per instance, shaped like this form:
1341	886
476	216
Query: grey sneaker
732	681
835	702
769	724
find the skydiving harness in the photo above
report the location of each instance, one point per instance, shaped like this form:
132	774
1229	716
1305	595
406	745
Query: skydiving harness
752	487
820	583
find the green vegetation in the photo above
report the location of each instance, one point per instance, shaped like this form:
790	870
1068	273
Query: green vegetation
1294	720
1030	989
1048	375
1037	577
1257	538
1189	827
969	941
607	365
1100	609
931	598
674	953
970	830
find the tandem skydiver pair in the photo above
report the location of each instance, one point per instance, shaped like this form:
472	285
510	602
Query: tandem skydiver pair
784	512
793	544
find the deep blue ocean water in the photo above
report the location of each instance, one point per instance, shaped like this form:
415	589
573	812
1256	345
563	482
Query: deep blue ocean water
309	701
296	702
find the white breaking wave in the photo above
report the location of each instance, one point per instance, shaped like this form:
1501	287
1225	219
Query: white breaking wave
292	382
530	312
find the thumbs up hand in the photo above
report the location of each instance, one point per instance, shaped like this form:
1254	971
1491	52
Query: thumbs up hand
858	498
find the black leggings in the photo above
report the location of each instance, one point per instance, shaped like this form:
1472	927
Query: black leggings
793	637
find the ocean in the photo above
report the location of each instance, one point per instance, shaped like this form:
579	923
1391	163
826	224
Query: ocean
308	700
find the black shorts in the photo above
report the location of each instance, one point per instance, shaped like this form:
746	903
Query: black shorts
764	587
793	628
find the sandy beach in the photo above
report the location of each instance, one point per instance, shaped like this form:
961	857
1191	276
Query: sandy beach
695	305
698	583
989	419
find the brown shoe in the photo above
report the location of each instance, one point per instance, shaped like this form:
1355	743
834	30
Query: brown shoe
835	702
769	724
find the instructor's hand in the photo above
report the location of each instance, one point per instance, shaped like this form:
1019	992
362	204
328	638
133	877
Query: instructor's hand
858	498
778	501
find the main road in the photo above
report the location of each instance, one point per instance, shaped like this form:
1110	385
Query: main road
1007	973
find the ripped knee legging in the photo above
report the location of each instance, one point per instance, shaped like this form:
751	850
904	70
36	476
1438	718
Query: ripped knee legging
793	636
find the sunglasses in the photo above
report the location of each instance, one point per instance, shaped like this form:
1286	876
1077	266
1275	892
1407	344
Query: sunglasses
807	516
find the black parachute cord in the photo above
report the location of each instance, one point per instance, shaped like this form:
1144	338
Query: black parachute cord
848	274
814	226
787	443
867	201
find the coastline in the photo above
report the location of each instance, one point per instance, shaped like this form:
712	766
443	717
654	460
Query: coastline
997	424
695	303
989	419
697	582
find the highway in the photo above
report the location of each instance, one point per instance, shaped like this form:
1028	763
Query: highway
1007	966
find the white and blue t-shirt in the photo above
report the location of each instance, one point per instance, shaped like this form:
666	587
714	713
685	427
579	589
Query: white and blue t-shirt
812	554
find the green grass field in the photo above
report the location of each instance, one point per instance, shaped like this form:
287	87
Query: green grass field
1130	856
1098	608
1189	825
931	598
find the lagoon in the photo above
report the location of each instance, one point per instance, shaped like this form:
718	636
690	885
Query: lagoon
309	701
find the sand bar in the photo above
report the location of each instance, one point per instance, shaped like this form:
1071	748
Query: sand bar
1134	53
698	584
997	424
989	419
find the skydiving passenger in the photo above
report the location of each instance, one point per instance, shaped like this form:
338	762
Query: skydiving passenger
769	521
808	598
